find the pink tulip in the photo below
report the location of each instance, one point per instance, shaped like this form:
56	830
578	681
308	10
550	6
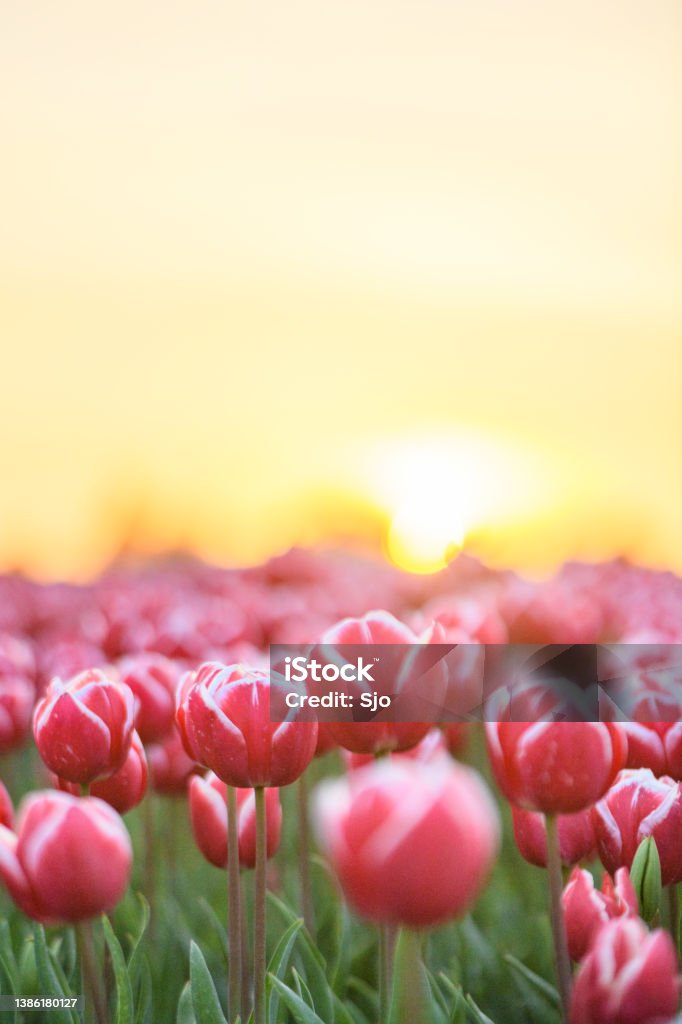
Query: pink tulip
576	836
208	814
587	909
6	808
386	829
70	859
170	767
153	680
555	767
628	977
639	805
124	789
17	697
223	713
83	728
379	737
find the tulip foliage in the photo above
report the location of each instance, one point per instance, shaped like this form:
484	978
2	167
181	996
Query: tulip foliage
171	853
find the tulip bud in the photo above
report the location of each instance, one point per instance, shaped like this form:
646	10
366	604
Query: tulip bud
628	977
223	713
170	767
555	767
70	859
639	805
153	680
208	814
385	827
586	909
576	836
124	789
646	878
83	728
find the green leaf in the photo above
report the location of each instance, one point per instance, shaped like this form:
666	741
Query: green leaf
646	878
476	1013
47	978
278	965
143	996
204	996
299	1009
124	991
313	964
185	1013
216	924
534	980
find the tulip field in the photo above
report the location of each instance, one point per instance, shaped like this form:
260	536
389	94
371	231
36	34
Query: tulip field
171	853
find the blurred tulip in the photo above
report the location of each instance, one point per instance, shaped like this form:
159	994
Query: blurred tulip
124	789
385	829
640	805
587	909
555	767
153	680
70	859
170	767
6	808
576	836
325	740
431	748
17	697
208	814
628	977
223	713
456	736
83	728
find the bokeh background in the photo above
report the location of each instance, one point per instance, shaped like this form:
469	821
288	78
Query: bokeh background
395	274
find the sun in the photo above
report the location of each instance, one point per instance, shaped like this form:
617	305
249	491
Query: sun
437	489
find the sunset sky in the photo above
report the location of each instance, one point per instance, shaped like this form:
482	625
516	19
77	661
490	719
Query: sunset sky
281	272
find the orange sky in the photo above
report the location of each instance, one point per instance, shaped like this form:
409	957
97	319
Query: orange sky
252	256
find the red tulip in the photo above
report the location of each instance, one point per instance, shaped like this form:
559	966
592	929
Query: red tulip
83	728
208	814
640	805
124	789
325	740
153	679
555	767
223	714
70	859
386	829
587	909
6	808
628	977
17	697
576	836
170	767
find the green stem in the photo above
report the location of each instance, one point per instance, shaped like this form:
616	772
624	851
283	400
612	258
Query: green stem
411	996
304	854
563	963
234	917
674	911
259	910
149	862
95	1005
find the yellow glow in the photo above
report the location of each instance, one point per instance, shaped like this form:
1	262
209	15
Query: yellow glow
236	249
